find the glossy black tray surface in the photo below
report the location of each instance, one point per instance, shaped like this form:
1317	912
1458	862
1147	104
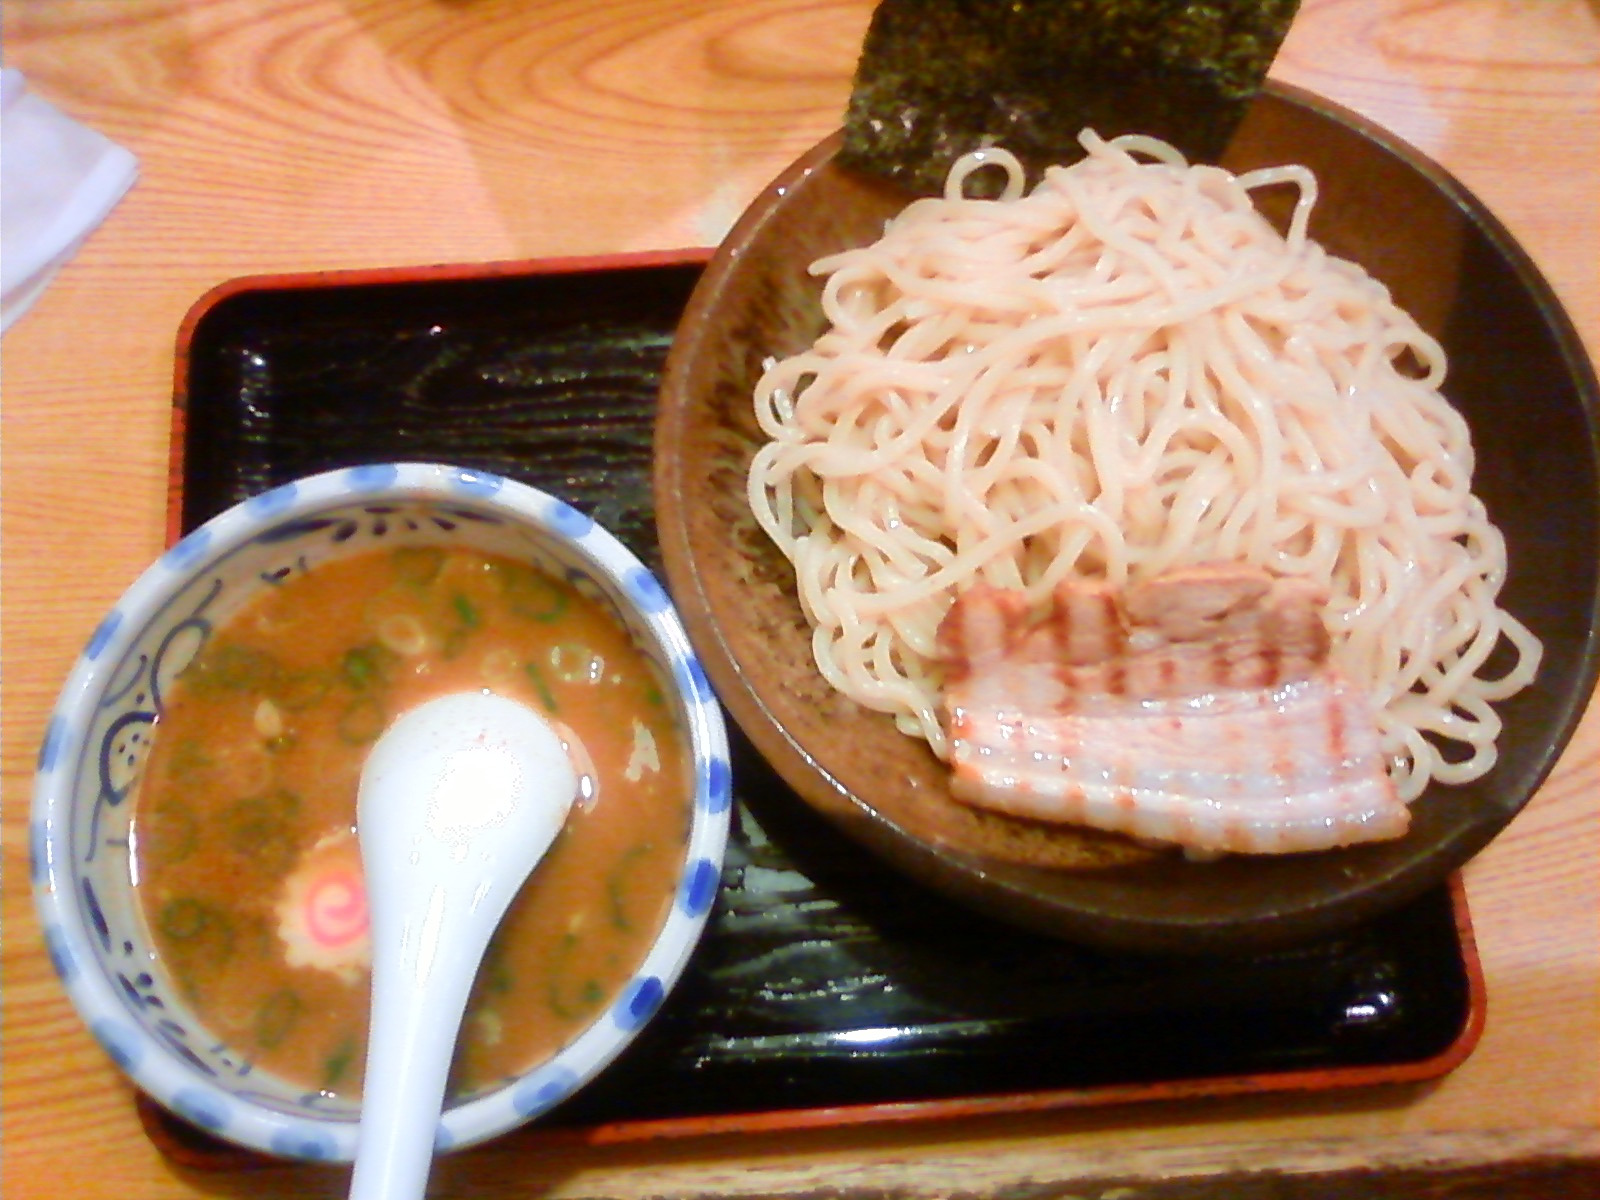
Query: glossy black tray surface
823	981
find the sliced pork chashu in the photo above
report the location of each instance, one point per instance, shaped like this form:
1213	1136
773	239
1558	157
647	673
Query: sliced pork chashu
1197	708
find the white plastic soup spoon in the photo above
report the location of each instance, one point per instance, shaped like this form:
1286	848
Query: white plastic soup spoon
459	800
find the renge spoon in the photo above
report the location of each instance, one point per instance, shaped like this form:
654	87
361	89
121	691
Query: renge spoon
459	800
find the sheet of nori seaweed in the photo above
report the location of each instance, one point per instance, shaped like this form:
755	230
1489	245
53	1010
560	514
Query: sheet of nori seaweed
938	78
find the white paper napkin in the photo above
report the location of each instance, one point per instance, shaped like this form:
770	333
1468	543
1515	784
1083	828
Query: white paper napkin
58	180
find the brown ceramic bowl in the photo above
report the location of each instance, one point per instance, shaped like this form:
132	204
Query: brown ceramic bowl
1518	373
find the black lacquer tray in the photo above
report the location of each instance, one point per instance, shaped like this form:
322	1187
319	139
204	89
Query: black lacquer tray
826	988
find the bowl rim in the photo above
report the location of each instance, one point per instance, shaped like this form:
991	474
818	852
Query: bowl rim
107	1013
966	877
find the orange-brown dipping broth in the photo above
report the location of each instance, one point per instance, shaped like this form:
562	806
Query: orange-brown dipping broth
247	868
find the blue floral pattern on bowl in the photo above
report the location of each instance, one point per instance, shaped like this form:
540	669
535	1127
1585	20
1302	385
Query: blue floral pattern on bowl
96	742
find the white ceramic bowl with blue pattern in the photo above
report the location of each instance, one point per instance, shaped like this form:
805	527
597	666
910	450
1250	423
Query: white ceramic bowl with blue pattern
100	733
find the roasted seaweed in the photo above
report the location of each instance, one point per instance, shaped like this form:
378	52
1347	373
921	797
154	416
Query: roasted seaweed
937	78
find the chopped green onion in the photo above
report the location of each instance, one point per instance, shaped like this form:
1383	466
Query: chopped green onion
235	668
362	721
495	976
338	1062
616	885
300	690
573	662
261	828
196	929
531	593
367	666
168	833
584	999
569	1002
546	696
277	1017
418	565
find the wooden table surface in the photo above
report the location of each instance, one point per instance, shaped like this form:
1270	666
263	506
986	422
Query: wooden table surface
291	135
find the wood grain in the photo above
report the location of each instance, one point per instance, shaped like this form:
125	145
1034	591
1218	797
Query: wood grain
286	135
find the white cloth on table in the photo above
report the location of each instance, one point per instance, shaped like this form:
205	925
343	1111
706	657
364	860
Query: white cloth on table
59	180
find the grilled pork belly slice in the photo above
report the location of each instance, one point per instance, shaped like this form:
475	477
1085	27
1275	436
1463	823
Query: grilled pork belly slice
1197	708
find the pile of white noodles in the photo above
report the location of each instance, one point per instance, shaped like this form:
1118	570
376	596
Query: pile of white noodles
1127	370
